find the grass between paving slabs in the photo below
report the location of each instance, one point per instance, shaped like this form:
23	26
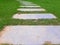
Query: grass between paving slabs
28	22
9	7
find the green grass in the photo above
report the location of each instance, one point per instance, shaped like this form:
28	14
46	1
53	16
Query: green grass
51	6
8	8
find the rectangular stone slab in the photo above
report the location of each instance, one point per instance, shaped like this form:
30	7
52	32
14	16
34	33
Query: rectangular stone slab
30	6
34	16
29	9
30	34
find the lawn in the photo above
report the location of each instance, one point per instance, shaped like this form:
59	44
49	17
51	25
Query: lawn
8	8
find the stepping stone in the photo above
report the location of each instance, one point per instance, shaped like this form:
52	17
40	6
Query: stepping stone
34	16
27	3
30	6
30	35
30	9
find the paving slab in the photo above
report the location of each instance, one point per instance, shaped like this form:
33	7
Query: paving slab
34	16
27	3
30	34
30	6
31	9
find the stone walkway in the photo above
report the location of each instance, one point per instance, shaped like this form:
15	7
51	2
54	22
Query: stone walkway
30	34
31	7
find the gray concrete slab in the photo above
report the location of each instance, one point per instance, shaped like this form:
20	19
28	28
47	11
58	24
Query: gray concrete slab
31	9
34	16
30	34
30	6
